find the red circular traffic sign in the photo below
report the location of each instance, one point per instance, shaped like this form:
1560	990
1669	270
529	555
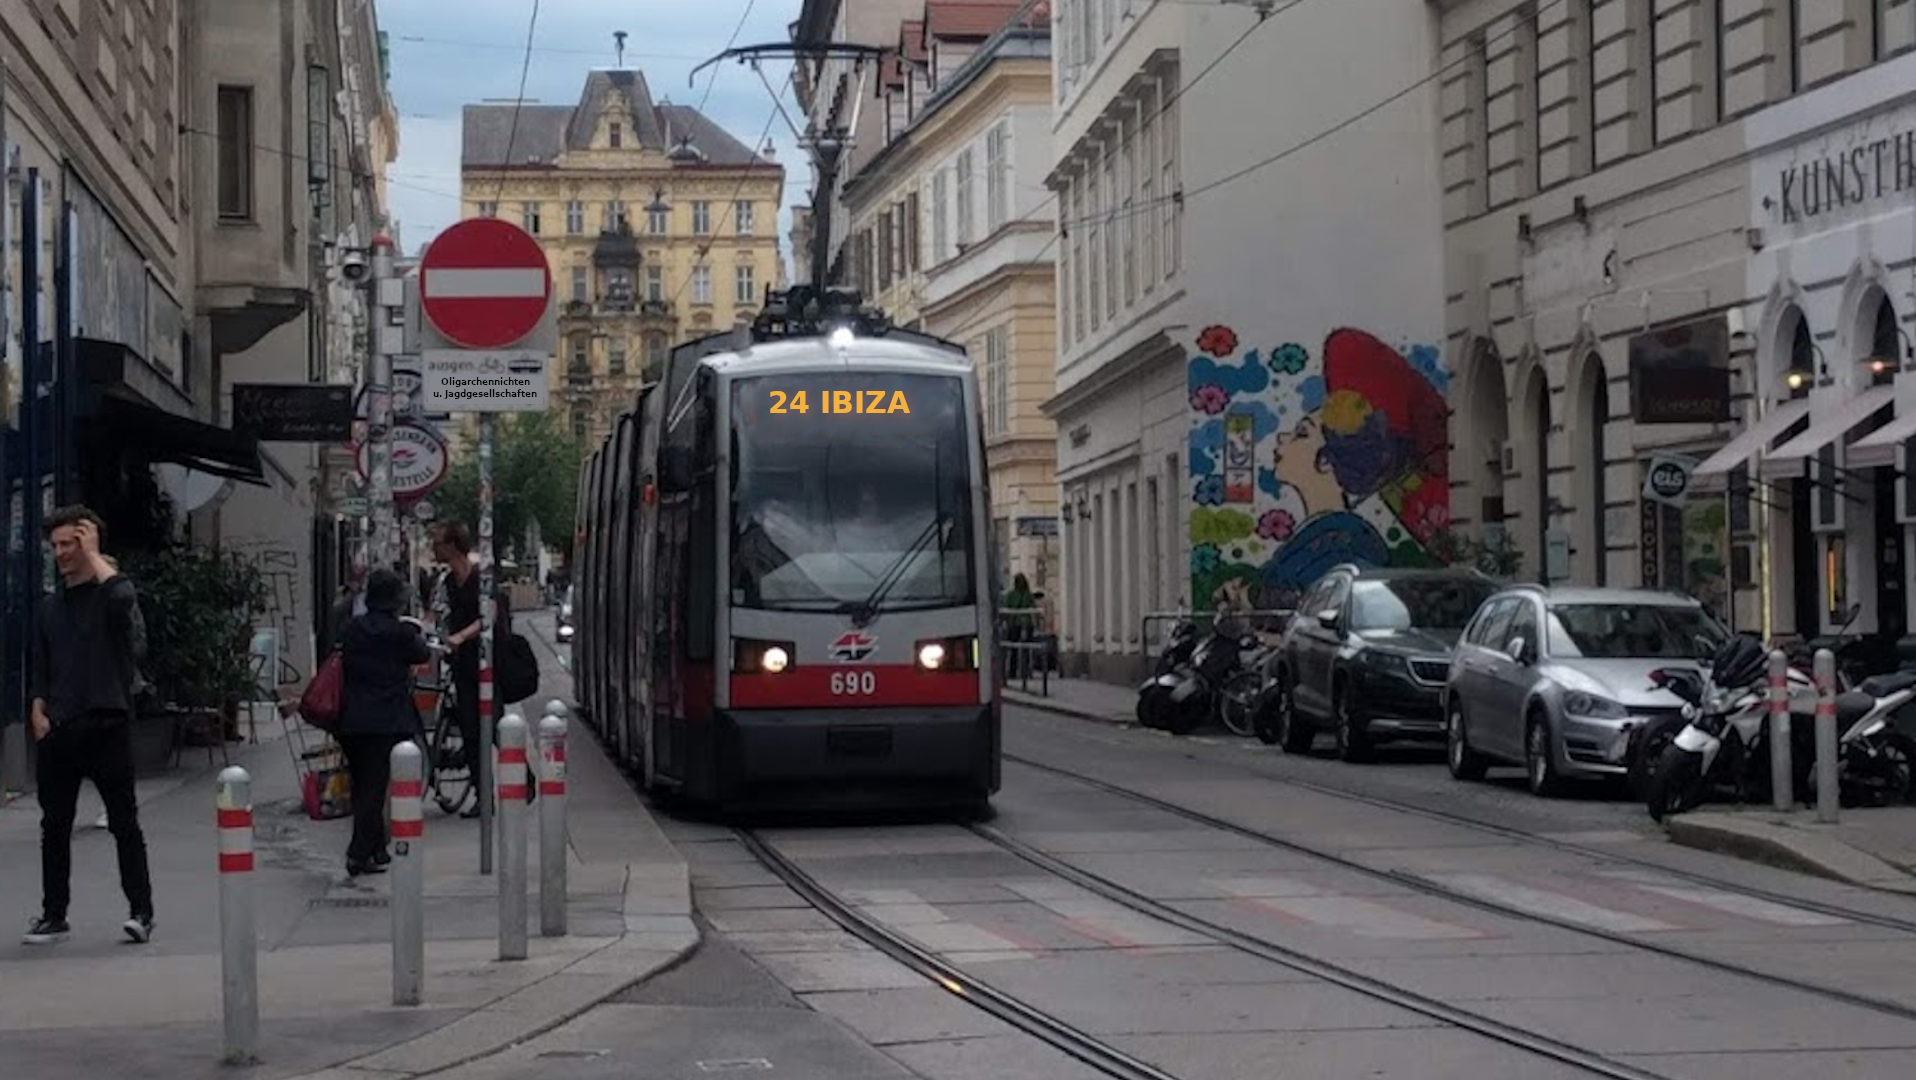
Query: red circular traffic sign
484	283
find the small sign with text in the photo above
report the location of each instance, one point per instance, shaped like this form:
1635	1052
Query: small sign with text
477	381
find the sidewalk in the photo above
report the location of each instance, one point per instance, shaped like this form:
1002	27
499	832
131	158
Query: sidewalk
1085	699
1875	847
81	1008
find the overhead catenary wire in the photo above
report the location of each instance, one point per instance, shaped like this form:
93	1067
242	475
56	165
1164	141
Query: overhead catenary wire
519	100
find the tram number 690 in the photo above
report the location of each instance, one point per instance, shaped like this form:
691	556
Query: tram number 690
854	682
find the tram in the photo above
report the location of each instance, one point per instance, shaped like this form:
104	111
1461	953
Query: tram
783	594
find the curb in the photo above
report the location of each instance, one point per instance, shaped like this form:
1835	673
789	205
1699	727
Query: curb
1766	840
1052	705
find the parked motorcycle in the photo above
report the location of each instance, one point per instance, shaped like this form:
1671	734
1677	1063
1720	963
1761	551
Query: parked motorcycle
1186	695
1154	696
1724	740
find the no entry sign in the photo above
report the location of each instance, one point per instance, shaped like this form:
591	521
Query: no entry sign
484	284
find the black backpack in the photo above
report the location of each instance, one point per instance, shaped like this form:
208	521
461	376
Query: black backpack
515	676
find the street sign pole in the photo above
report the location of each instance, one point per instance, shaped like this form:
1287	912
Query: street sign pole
379	411
485	286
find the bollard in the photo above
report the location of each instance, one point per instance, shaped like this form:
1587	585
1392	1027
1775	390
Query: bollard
512	837
239	944
552	831
557	708
1827	793
1782	776
406	791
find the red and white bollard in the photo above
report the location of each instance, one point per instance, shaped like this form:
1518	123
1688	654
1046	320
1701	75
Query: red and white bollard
239	943
552	831
1828	792
1782	774
512	837
406	792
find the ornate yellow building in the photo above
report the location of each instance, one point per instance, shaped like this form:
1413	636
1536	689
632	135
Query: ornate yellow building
659	226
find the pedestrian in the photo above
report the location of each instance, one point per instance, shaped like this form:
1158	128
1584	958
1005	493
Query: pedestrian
350	604
456	606
1020	627
377	651
89	640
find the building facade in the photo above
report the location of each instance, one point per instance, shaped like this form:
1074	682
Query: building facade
659	225
274	305
950	232
1681	277
1119	401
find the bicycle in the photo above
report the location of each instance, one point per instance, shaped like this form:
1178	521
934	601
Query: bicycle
449	772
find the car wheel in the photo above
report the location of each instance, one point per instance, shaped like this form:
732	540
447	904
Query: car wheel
1465	763
1539	770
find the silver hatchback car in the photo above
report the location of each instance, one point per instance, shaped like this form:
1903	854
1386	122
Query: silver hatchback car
1558	679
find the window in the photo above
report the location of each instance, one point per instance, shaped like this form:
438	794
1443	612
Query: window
997	178
1148	187
578	283
655	283
236	153
742	214
1894	26
581	353
1076	224
529	217
912	241
701	284
744	285
487	208
1127	210
615	358
963	180
1168	187
618	285
580	425
614	215
940	215
998	380
658	222
1067	269
1093	247
574	217
885	249
654	356
1111	232
615	135
701	218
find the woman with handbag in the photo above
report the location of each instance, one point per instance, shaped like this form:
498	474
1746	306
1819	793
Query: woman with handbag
377	651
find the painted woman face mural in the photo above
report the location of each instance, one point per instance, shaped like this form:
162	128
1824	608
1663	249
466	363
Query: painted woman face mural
1359	475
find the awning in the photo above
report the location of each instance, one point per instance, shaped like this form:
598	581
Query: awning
1834	425
1752	441
162	436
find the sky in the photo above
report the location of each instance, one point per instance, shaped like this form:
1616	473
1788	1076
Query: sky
450	53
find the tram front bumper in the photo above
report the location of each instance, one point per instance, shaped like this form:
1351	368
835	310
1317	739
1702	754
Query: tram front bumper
953	743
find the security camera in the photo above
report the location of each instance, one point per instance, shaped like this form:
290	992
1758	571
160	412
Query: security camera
353	264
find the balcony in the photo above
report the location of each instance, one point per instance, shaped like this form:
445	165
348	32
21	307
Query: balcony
576	309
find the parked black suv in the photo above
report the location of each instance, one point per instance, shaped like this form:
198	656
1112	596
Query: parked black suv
1367	654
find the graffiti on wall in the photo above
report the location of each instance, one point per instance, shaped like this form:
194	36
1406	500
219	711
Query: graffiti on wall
1302	459
279	567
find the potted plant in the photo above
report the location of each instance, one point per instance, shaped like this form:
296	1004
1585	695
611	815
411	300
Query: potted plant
199	606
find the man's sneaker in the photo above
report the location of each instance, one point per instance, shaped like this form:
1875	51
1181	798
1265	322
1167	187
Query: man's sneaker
45	931
139	929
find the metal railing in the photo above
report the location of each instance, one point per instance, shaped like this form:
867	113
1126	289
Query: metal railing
1017	659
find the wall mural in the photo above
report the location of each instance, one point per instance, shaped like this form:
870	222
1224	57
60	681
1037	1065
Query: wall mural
1299	462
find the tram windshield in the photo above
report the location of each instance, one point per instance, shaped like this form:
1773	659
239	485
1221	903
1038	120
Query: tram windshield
850	490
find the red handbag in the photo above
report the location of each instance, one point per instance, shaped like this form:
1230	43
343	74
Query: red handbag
320	704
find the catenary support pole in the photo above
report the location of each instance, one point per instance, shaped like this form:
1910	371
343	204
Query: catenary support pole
1782	782
379	409
407	790
552	827
1827	794
512	836
487	723
239	944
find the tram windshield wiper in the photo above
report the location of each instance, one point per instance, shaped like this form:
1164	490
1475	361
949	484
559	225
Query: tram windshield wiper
864	611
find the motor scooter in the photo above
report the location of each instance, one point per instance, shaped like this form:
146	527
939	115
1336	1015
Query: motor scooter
1154	695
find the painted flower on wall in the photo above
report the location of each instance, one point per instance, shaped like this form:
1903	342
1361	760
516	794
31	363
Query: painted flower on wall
1210	491
1290	359
1276	525
1219	341
1204	558
1210	398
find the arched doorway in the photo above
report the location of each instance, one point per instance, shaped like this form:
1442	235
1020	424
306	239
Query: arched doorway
1879	369
1487	427
1798	375
1593	397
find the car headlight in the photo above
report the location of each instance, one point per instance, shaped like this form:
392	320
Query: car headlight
1379	660
1592	707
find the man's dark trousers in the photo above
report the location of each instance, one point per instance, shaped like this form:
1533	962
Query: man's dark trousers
96	747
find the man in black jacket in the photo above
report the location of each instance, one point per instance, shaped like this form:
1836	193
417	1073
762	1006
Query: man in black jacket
89	641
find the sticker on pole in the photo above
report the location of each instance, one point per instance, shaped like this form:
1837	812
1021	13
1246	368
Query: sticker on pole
455	380
484	283
419	460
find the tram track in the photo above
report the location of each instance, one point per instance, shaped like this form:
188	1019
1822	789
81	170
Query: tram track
1102	1056
1119	893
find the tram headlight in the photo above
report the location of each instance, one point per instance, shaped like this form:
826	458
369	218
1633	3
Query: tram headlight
958	653
775	660
931	655
754	657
